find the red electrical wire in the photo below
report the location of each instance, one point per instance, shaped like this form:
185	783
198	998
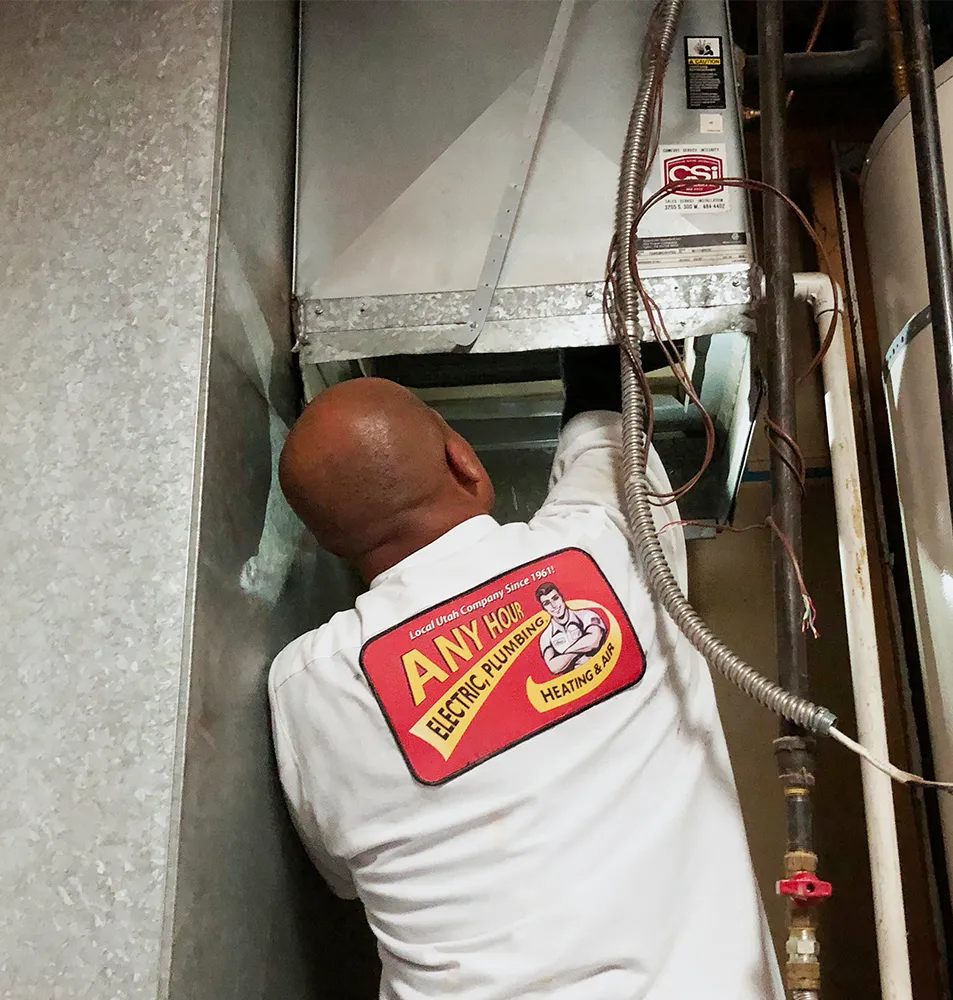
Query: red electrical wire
809	618
661	335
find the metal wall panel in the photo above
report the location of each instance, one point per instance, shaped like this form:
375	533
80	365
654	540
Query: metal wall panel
411	119
110	115
250	919
108	123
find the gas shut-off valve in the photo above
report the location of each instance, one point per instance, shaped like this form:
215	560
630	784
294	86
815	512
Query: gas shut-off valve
805	890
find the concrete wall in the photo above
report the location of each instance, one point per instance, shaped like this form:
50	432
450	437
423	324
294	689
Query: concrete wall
108	124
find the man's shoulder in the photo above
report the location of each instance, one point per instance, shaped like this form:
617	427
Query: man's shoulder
589	615
328	642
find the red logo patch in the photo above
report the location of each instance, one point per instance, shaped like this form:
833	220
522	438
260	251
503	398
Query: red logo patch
500	663
707	170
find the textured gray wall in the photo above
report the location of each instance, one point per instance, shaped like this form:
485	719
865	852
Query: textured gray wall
108	125
250	920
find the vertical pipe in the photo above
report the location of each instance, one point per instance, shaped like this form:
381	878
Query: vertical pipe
778	352
934	210
898	65
926	809
793	748
779	355
890	918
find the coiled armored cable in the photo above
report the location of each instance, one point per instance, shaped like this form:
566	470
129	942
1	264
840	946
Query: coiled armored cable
667	592
638	508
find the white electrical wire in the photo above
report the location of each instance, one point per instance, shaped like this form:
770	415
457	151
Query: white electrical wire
903	777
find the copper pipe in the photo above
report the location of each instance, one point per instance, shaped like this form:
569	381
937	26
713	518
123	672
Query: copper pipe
898	64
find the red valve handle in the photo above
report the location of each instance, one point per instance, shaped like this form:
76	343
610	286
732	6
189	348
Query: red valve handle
804	887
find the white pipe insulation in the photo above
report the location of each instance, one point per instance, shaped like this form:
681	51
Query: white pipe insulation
890	920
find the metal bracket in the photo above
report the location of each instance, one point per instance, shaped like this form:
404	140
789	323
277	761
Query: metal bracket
513	195
916	324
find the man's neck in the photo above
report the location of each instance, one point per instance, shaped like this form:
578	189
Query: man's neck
423	528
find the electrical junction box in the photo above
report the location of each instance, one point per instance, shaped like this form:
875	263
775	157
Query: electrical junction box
413	124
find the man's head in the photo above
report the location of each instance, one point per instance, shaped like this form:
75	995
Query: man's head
376	474
551	600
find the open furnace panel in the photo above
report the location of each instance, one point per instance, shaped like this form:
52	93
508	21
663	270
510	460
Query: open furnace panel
414	120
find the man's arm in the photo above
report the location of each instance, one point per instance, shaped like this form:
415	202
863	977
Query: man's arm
332	869
592	377
551	658
588	642
587	468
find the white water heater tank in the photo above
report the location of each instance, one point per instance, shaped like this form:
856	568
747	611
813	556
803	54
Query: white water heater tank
895	245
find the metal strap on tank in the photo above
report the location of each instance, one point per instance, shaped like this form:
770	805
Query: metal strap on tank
913	326
513	196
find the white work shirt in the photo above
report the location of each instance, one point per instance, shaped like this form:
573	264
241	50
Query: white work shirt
600	857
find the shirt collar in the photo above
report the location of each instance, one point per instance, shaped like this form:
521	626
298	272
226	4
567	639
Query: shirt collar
462	536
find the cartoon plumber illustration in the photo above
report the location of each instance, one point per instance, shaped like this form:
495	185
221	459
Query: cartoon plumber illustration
572	636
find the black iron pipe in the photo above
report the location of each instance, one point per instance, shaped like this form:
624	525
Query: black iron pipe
796	764
778	348
802	68
800	817
934	211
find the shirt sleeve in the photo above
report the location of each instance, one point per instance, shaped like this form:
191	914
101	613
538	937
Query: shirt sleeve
590	618
587	475
333	870
592	377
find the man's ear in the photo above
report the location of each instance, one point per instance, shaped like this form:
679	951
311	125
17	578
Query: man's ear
468	470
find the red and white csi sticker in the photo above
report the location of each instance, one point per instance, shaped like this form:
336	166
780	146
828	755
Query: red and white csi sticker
493	666
705	165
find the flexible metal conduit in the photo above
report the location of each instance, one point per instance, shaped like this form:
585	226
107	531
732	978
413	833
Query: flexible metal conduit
638	509
664	586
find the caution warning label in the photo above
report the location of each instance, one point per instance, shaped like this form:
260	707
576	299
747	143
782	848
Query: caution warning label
704	72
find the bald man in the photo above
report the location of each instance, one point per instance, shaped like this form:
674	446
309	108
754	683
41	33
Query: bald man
512	832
